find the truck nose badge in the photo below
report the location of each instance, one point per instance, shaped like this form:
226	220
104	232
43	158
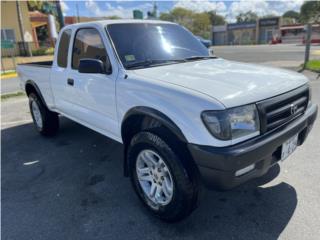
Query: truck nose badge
293	109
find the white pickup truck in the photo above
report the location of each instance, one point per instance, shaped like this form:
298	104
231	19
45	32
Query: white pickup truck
184	117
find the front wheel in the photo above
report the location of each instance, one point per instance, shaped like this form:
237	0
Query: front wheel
160	179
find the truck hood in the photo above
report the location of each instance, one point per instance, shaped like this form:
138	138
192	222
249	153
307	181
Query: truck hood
231	83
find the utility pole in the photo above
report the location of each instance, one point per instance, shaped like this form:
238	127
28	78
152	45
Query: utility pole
78	17
308	43
21	28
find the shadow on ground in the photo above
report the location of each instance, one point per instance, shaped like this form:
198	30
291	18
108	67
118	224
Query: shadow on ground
71	187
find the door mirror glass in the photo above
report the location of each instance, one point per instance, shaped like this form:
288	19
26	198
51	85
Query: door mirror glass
91	66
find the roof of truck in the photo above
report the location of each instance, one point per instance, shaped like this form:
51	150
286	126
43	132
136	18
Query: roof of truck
112	21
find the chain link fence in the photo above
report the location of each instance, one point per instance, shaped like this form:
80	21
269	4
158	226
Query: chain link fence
13	53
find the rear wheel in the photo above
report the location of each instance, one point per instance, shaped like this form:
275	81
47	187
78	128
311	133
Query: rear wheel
159	178
45	121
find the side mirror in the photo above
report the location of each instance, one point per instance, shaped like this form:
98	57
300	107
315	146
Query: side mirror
88	65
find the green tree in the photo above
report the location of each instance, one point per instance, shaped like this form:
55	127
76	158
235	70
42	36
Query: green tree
291	14
166	17
201	24
216	19
115	17
197	23
246	17
290	17
182	16
310	11
45	7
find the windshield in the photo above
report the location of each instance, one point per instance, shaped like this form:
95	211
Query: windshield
141	43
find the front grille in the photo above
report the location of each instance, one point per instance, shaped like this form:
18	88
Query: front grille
277	111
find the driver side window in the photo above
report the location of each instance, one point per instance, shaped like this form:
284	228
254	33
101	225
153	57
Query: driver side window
88	44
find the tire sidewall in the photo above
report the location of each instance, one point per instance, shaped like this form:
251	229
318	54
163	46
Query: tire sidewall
34	98
181	181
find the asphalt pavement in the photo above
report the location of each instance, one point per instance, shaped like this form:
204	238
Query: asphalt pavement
281	55
71	187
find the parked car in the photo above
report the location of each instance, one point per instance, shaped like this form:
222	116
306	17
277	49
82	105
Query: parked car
185	118
205	42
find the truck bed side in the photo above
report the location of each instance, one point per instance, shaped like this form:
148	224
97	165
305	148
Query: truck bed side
38	73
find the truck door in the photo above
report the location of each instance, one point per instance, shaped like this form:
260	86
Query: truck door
95	101
64	94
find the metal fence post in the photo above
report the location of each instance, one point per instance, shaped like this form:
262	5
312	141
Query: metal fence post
308	41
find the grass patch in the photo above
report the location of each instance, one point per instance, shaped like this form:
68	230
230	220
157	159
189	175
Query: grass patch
8	73
11	95
313	65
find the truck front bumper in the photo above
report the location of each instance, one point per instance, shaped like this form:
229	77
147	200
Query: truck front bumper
218	165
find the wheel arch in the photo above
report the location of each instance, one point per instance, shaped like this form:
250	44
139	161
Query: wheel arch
32	87
140	113
145	118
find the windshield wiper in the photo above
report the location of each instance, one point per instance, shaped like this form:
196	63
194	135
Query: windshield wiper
153	62
199	58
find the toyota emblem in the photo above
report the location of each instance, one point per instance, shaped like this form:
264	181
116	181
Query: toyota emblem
293	109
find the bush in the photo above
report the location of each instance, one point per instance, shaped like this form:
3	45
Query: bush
50	51
42	51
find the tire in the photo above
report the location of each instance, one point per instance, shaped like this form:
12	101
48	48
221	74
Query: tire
184	195
45	121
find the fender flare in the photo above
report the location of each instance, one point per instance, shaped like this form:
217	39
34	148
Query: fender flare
153	113
37	89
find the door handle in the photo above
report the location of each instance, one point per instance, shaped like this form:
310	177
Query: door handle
70	81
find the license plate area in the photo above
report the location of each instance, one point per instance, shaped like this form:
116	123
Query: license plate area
288	147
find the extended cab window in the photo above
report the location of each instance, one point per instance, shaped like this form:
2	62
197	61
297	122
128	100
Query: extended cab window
88	44
63	49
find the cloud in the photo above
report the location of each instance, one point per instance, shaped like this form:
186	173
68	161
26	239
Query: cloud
230	10
108	10
65	8
262	7
202	5
94	8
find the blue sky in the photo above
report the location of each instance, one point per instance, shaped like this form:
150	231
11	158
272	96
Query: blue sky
229	9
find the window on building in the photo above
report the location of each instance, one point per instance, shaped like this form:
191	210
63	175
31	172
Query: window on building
88	44
8	35
63	48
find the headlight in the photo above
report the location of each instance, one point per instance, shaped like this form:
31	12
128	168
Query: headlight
236	123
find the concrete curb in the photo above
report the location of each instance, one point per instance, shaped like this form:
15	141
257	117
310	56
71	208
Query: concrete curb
6	96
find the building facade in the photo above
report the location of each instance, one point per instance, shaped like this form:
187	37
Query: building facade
241	33
219	35
11	30
268	29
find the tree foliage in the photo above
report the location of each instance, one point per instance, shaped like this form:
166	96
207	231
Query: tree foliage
291	14
310	11
198	23
216	19
45	7
247	17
